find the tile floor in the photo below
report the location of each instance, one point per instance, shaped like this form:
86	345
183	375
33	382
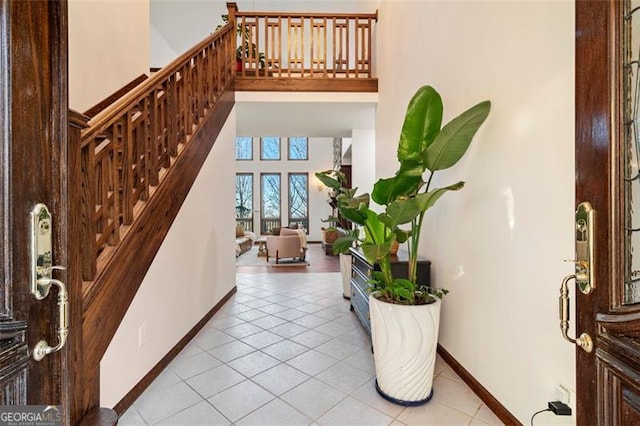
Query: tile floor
285	350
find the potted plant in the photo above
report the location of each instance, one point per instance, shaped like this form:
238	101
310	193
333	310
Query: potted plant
245	49
404	313
335	181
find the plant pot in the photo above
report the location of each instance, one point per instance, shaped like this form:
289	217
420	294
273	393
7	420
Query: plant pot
345	272
404	340
239	64
395	245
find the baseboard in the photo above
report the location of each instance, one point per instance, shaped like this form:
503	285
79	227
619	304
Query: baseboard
144	383
489	400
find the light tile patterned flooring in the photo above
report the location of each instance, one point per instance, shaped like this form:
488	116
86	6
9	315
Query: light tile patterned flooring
285	350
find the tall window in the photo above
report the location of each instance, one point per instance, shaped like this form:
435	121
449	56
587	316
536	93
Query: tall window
244	200
270	148
299	200
298	149
244	148
270	200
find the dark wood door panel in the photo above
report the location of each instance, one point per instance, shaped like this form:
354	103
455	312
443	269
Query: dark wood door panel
618	391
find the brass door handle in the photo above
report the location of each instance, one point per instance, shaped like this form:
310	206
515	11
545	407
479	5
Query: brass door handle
41	277
42	348
584	341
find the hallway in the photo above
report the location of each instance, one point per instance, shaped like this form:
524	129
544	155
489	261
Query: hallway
285	350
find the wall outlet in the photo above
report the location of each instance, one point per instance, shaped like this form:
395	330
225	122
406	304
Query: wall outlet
563	394
142	335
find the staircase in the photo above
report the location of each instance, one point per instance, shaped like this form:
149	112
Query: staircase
135	161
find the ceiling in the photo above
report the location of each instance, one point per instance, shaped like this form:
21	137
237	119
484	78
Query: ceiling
311	119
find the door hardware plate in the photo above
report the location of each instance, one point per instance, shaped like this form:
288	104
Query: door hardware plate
585	248
41	247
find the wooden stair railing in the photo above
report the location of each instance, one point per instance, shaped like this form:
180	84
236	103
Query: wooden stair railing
137	161
304	51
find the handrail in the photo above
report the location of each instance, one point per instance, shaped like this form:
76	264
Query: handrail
132	97
373	16
128	147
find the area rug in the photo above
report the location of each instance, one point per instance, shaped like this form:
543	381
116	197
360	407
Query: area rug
251	258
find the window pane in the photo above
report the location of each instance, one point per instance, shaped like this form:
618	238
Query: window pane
244	200
299	199
270	148
244	195
298	149
244	148
271	196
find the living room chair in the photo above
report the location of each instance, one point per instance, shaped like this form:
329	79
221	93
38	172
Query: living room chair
291	243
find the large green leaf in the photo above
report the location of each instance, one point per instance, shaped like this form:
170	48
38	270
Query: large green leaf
426	200
454	138
375	252
421	123
388	190
399	212
402	235
342	244
353	215
375	230
329	181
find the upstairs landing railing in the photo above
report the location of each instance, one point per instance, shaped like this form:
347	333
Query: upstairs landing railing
128	147
304	51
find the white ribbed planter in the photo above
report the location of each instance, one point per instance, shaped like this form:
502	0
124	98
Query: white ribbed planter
404	339
345	271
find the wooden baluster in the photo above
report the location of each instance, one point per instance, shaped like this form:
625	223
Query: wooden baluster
172	119
155	139
127	170
232	10
185	105
146	141
296	46
369	43
112	197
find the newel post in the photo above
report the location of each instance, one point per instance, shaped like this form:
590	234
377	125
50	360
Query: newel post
232	10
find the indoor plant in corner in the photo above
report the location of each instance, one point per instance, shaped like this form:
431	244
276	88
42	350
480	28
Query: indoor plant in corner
404	313
335	181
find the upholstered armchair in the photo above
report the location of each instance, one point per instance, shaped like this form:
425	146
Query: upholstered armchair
291	243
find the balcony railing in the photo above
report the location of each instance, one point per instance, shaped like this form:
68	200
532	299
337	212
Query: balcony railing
310	51
246	223
128	147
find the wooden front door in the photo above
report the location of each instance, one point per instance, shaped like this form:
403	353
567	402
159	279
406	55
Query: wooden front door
607	176
33	151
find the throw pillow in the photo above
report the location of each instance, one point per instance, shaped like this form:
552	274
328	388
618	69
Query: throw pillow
239	231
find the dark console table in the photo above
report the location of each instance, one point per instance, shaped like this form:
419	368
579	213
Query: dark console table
361	271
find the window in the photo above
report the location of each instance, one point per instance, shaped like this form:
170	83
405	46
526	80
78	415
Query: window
244	148
270	148
299	200
298	149
270	201
244	200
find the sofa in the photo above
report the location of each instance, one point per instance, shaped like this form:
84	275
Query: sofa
244	240
291	243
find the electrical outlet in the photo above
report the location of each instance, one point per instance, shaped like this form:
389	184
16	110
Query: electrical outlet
563	394
142	335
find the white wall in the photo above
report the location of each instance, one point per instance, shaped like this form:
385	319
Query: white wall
108	48
320	158
189	275
363	159
499	244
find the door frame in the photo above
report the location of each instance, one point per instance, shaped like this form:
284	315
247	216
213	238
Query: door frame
39	165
